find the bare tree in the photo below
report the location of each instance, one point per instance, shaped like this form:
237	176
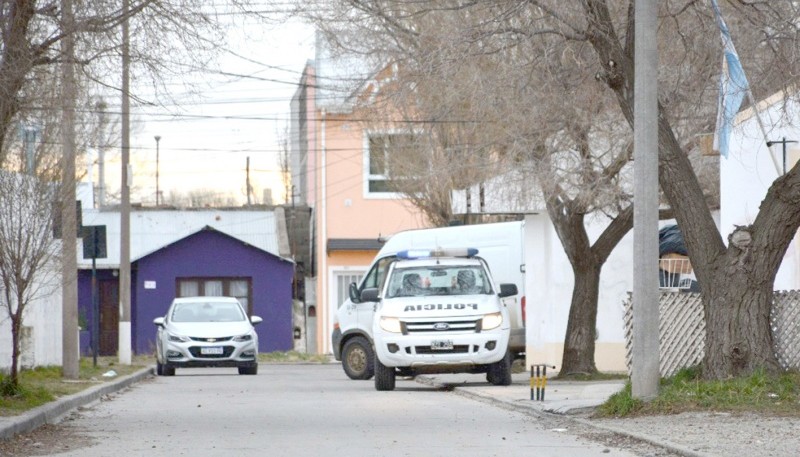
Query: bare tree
28	253
200	198
486	112
736	280
587	47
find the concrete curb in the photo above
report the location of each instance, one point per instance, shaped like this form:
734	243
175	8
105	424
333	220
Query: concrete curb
672	447
568	415
50	413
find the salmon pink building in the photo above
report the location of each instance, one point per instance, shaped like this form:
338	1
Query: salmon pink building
341	168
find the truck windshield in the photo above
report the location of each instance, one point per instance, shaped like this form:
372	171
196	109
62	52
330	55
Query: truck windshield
438	280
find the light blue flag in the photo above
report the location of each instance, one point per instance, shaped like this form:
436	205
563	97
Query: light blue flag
733	87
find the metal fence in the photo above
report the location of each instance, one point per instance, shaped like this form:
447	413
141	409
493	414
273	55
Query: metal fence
682	330
675	273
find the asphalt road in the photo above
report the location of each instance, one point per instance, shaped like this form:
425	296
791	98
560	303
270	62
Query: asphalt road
298	410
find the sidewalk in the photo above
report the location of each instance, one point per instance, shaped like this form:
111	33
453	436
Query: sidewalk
50	413
561	397
697	434
574	400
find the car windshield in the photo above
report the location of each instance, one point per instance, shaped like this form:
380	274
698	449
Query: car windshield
438	280
207	312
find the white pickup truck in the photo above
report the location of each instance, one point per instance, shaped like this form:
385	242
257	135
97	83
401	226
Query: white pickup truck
440	312
500	245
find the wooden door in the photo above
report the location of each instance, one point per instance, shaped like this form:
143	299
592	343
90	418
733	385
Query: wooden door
109	317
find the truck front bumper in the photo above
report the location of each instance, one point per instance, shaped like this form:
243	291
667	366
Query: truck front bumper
431	350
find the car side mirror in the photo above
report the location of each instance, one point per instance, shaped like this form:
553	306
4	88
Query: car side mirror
159	321
355	297
255	320
369	294
507	290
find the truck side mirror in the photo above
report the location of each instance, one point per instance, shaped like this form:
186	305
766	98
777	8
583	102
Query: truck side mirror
507	290
370	294
355	297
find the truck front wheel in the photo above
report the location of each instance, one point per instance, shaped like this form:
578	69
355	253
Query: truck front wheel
499	373
384	376
358	358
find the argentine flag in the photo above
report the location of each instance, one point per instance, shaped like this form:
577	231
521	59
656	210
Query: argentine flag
732	87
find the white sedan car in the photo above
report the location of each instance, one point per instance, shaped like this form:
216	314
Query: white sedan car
206	332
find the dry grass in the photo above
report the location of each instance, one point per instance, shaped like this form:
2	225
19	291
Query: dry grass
45	384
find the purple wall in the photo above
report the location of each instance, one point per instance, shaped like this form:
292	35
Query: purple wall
208	253
85	309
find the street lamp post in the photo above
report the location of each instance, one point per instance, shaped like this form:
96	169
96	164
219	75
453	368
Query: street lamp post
158	139
784	141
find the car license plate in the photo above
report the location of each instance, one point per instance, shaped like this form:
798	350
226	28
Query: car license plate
441	345
211	351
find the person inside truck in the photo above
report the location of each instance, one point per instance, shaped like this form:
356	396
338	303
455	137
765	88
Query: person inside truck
412	285
465	282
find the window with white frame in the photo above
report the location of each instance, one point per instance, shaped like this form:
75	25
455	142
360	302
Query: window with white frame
386	154
343	281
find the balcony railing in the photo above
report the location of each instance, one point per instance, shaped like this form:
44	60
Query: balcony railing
675	273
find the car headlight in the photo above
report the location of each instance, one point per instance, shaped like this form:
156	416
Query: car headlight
491	321
390	324
177	338
242	338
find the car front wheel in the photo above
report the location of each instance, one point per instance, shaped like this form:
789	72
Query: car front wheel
358	359
251	370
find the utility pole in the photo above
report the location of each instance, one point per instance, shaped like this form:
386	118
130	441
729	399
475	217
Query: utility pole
247	181
158	140
70	363
645	372
29	135
101	155
124	348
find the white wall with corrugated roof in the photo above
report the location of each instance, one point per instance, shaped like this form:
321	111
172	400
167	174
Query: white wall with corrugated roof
152	229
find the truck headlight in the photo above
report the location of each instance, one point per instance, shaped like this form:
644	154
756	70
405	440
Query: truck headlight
390	324
491	321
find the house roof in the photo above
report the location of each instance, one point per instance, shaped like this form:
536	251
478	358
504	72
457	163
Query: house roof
354	244
208	228
151	230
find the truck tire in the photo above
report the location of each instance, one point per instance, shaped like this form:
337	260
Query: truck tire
384	376
499	373
358	358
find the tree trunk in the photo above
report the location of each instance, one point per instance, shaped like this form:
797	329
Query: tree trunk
738	333
579	343
15	337
587	262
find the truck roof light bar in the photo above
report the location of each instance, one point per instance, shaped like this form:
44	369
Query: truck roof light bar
411	254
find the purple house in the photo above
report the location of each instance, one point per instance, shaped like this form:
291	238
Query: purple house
207	261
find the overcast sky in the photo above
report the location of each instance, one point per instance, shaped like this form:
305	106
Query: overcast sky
235	117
